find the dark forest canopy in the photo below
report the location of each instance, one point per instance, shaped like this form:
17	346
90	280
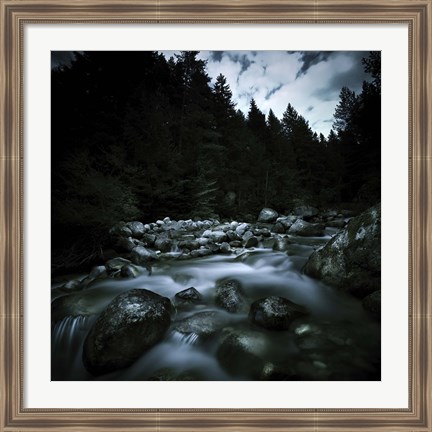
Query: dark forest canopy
137	136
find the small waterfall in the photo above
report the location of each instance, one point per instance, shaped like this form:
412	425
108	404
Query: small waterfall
175	248
66	331
181	338
67	339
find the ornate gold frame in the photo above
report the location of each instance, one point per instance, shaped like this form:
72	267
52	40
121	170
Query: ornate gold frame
15	14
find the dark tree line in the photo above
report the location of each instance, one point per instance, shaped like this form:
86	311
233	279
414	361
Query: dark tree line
135	136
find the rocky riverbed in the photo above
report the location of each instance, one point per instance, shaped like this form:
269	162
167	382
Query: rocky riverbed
289	297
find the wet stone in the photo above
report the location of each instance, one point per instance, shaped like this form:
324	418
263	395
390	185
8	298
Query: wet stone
229	295
275	313
188	296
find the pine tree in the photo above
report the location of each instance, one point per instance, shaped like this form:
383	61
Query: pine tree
257	152
358	123
282	173
301	139
224	108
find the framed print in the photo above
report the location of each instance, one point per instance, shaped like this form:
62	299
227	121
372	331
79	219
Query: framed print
202	185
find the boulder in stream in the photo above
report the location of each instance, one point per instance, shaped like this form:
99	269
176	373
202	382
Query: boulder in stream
130	271
306	229
188	296
242	228
163	244
142	256
115	264
241	352
149	239
97	272
267	215
275	313
229	295
287	221
247	235
131	324
351	260
218	236
225	248
232	235
203	324
251	242
137	228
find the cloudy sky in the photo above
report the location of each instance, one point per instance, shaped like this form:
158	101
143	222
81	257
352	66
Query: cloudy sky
309	80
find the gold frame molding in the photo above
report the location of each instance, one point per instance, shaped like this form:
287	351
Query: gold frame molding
15	14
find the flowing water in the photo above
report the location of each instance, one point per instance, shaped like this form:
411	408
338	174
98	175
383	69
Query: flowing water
338	340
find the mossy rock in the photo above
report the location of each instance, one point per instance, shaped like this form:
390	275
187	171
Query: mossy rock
351	260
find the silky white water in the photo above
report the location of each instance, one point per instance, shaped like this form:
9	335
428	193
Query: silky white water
262	273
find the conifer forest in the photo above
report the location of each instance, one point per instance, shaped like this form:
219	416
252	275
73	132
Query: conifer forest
198	237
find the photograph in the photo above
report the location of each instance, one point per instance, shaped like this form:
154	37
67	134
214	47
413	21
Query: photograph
216	215
201	185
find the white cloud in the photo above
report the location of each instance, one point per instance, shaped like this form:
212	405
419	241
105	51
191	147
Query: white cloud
270	78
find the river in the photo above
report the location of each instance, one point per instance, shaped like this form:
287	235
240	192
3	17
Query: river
337	341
